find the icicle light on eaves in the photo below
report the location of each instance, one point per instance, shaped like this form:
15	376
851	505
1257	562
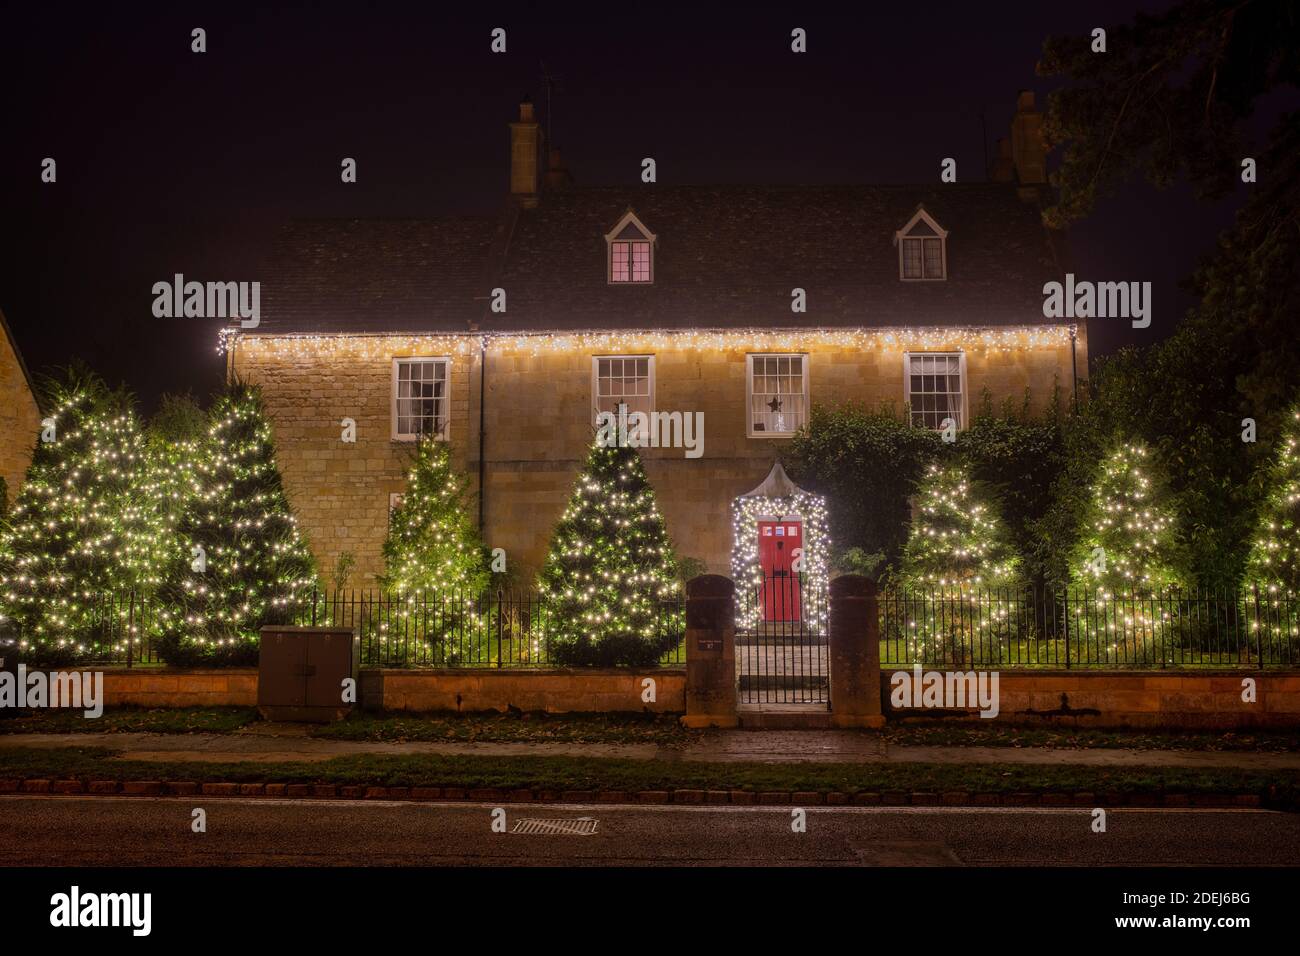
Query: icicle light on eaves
381	345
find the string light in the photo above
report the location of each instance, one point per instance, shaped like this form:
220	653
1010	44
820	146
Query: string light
377	346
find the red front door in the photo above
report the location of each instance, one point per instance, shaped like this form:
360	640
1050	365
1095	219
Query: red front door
780	543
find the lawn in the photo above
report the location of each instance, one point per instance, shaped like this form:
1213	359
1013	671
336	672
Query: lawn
587	774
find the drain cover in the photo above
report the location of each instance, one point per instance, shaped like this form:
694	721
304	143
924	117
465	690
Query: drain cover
582	826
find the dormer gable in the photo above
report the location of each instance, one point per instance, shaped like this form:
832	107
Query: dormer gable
922	249
629	252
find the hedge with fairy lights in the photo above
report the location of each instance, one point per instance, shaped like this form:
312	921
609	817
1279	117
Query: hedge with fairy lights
610	582
1126	565
434	563
241	561
962	571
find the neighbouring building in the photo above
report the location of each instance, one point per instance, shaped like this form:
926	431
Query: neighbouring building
507	335
20	415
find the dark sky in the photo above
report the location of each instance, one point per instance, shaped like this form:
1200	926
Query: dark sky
169	161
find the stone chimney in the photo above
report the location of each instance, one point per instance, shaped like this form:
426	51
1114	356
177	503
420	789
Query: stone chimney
557	174
1028	149
525	156
1003	169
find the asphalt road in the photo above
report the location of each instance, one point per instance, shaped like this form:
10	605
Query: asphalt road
142	831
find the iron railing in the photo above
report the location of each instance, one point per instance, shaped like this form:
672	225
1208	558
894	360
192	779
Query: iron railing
498	628
1081	628
972	628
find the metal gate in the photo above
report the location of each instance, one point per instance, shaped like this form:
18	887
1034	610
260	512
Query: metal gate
782	651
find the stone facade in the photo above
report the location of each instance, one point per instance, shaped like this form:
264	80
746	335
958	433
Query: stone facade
20	418
538	426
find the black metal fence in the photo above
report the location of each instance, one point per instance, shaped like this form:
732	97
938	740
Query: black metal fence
499	628
503	628
1082	628
781	640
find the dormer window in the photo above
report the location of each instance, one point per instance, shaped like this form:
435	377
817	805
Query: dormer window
630	252
922	249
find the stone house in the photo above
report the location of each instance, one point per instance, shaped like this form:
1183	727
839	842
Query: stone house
507	335
20	416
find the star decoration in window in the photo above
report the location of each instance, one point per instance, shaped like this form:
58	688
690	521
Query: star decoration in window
775	405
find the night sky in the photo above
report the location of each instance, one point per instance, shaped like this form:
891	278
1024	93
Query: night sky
170	161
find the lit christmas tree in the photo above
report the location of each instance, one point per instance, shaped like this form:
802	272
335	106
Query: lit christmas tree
81	533
957	538
1129	545
611	572
961	566
1127	560
1274	564
432	546
433	556
242	562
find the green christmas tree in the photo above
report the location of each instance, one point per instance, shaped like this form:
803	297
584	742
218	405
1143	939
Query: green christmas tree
610	580
434	563
957	537
962	570
241	562
1274	564
1127	561
81	535
432	547
1130	542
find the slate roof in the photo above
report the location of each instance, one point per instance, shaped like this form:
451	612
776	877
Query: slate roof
726	256
376	275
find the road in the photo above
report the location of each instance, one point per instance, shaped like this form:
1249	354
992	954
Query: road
264	832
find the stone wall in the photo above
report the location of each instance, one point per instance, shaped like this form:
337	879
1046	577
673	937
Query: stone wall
463	689
554	691
1184	701
20	419
139	687
538	429
1142	700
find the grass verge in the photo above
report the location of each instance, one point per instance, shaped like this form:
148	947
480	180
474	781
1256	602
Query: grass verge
117	720
660	729
577	773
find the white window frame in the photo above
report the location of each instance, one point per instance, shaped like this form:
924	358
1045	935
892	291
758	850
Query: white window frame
595	379
628	217
445	434
940	233
749	391
961	371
